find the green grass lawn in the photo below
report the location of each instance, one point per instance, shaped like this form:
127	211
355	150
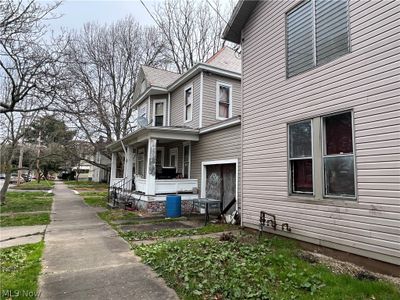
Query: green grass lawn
20	267
168	233
19	202
247	268
34	185
27	201
25	220
96	199
112	216
86	185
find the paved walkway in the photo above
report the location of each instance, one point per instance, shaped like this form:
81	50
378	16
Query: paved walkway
85	259
19	235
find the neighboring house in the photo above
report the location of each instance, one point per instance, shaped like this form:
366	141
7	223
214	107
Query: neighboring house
101	174
320	122
84	170
190	141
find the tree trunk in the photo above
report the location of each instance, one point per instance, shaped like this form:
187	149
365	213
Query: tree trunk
6	184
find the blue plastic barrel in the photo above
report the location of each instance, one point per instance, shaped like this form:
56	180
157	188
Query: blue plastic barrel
173	206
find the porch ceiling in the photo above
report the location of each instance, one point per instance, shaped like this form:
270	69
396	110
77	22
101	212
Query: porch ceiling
160	133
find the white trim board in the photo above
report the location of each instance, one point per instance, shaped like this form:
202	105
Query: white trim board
204	164
164	102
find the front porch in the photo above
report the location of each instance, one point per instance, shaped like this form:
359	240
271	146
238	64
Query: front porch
153	162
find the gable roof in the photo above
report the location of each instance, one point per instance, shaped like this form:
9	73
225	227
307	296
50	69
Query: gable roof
226	59
158	77
240	15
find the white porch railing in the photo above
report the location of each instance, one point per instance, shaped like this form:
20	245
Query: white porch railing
168	186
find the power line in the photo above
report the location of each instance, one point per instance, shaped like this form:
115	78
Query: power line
214	9
151	15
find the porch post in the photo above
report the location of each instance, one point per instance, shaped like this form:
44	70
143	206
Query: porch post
113	167
129	165
151	167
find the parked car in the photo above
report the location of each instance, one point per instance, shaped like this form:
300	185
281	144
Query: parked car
2	176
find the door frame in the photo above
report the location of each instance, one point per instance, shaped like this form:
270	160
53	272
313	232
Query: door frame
204	165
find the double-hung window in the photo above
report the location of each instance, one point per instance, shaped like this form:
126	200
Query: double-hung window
338	155
317	32
159	112
188	95
300	157
323	165
224	101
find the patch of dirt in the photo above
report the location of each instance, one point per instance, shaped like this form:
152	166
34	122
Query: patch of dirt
343	267
157	226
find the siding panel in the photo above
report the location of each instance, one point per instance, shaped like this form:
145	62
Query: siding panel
366	80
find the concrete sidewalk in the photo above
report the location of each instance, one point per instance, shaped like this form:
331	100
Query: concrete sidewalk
20	235
85	259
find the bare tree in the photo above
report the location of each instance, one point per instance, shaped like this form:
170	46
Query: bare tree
192	29
13	127
100	77
27	60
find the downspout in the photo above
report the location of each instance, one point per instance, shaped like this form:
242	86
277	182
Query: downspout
241	137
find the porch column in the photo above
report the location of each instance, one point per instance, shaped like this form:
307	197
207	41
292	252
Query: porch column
151	167
113	167
129	165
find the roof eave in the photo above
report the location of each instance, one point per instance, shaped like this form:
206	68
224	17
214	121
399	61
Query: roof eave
240	15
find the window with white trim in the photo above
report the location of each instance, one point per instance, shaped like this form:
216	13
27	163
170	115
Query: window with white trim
317	32
186	160
224	101
159	112
328	153
188	103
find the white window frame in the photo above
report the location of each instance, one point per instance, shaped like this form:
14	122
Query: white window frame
218	85
186	144
174	152
164	102
185	106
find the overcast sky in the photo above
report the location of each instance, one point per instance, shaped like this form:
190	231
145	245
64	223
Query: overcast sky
77	12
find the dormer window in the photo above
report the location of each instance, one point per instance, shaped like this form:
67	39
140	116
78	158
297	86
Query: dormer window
224	101
188	103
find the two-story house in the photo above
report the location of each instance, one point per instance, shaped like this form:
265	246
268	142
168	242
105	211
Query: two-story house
321	121
188	140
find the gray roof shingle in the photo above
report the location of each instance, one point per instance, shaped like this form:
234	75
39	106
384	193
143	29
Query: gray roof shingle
158	77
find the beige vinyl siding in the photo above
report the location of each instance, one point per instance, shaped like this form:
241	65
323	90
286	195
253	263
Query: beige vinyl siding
367	81
223	144
178	104
210	98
